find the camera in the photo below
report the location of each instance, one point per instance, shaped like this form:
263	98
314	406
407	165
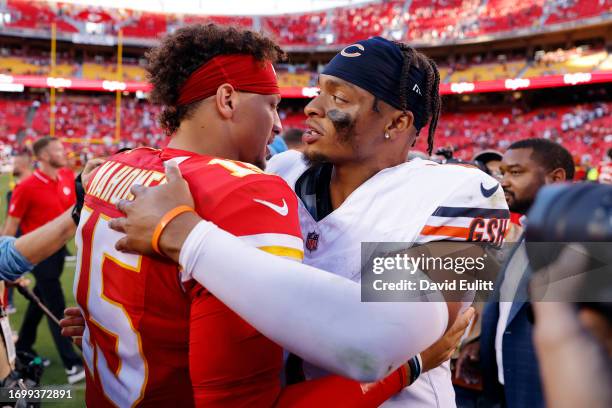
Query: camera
26	375
574	220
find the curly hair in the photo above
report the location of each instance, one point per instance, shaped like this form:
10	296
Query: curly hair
184	51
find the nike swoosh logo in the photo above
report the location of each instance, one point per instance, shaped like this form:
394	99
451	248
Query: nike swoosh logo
488	192
281	209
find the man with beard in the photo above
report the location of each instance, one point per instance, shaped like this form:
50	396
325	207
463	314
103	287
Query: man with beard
509	364
36	200
353	185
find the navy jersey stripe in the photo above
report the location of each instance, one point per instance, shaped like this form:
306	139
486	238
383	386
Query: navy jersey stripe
453	212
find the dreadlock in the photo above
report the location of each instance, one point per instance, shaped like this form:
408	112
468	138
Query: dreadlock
431	93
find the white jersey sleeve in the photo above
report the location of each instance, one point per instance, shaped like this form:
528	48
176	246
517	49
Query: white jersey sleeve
475	210
310	312
289	165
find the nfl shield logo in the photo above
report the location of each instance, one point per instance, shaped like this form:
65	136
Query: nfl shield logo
312	241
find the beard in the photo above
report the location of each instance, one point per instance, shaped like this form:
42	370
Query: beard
58	164
315	158
519	206
523	204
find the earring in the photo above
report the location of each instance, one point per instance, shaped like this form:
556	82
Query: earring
387	136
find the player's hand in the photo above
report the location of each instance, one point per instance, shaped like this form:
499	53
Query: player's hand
80	183
87	171
443	349
150	204
73	324
23	282
467	368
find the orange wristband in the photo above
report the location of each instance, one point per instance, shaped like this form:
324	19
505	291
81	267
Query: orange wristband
165	220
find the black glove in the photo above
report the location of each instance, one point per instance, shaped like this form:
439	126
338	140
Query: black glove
80	199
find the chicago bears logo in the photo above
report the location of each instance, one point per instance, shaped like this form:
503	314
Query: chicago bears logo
346	53
312	241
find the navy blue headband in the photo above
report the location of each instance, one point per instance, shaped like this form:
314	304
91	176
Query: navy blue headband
376	66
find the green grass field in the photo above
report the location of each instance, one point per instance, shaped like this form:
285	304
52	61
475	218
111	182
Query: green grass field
54	374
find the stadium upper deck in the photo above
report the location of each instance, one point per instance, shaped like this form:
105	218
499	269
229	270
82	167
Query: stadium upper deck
421	21
559	62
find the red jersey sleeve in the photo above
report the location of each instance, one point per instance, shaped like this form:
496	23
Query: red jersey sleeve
20	201
263	213
259	208
336	391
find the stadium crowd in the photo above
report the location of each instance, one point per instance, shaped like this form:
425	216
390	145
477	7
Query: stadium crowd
583	59
585	129
421	20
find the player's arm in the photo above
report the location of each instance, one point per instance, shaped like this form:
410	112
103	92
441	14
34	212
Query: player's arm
10	226
339	391
18	256
335	391
471	222
37	245
48	239
12	263
474	211
313	313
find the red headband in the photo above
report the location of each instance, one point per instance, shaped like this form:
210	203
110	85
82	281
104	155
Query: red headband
243	72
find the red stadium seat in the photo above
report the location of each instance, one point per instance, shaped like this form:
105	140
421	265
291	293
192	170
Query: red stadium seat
424	20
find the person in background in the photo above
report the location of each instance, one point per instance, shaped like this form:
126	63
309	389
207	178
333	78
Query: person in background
293	139
277	146
38	199
581	171
491	160
507	332
22	169
19	255
604	173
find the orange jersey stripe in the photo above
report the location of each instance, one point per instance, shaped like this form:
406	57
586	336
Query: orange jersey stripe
457	232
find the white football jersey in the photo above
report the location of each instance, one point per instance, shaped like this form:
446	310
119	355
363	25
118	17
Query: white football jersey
417	201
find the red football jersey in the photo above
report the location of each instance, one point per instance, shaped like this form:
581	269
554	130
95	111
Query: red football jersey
152	340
